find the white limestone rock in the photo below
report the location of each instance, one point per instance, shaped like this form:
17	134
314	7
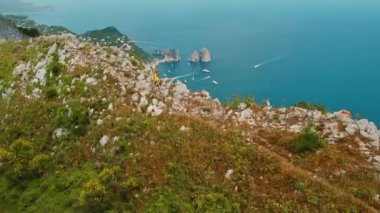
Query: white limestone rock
99	122
104	140
60	132
40	76
229	173
91	81
52	49
245	115
184	129
19	70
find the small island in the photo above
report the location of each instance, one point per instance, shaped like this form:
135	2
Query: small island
167	56
195	57
204	56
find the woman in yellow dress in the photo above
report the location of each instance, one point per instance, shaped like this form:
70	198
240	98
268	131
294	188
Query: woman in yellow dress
155	77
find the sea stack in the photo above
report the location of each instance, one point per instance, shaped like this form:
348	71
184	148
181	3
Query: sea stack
172	55
205	55
194	58
167	56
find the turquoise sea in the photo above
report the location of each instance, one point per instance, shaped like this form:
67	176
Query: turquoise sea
322	51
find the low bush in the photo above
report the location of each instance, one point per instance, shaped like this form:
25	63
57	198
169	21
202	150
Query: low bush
92	195
74	117
237	100
51	93
311	106
308	141
39	164
55	67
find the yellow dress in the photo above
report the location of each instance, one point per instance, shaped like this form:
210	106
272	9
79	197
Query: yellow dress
155	77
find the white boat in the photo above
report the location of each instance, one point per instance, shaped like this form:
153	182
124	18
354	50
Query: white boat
215	82
206	71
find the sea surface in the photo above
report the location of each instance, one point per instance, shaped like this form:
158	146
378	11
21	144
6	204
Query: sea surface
321	51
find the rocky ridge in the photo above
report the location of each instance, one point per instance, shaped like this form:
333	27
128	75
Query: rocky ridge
129	85
172	96
8	30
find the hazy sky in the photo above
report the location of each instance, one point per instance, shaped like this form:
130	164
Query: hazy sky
20	6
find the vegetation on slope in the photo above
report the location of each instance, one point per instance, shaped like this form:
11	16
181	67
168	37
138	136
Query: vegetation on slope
51	158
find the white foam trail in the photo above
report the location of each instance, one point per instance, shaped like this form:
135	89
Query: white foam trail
182	76
143	42
205	78
270	61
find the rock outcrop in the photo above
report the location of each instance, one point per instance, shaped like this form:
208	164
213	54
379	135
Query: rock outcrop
8	30
195	57
168	56
205	55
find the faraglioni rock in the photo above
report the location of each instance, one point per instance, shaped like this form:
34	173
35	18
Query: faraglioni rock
172	55
168	56
194	58
205	55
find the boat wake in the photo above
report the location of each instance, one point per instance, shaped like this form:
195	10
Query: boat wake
272	60
205	78
182	76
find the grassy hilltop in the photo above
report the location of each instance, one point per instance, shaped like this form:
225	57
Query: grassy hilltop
84	129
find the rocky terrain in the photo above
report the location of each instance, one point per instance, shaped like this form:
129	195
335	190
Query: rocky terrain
26	23
8	30
152	146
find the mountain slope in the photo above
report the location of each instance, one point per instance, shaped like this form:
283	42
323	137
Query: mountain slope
84	129
8	30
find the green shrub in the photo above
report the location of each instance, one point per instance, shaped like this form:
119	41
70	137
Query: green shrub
93	194
51	93
363	193
166	200
129	184
55	67
235	102
75	118
135	62
216	202
311	106
308	141
23	149
6	158
39	164
107	175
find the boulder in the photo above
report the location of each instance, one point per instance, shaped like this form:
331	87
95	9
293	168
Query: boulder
143	101
91	81
351	129
229	174
60	132
104	140
184	129
156	109
40	76
245	115
19	70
